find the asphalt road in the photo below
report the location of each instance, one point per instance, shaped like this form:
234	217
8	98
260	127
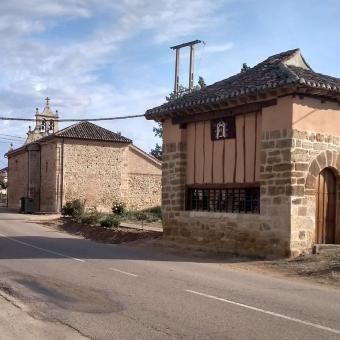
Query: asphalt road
128	292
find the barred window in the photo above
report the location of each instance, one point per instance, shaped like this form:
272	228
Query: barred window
231	200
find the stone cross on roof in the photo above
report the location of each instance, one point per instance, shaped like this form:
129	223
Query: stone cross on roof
47	101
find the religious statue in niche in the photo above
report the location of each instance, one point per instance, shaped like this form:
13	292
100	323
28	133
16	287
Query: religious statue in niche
223	128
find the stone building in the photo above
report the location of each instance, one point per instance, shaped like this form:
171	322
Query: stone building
251	163
82	161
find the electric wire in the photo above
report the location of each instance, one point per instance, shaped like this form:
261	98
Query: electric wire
73	119
15	137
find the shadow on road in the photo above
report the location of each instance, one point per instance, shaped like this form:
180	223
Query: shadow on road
40	247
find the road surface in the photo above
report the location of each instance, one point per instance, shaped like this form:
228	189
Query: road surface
101	291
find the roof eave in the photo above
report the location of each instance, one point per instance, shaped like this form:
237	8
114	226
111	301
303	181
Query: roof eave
129	141
159	114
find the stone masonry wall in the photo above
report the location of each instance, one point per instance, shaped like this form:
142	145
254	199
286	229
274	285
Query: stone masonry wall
173	184
292	161
17	179
144	178
144	191
311	153
94	171
267	233
49	201
33	175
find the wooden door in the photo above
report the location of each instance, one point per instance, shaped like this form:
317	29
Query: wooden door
325	207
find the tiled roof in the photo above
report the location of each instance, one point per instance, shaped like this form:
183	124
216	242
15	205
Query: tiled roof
82	130
281	70
87	130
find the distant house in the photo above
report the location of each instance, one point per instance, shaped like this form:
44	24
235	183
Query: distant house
252	163
82	161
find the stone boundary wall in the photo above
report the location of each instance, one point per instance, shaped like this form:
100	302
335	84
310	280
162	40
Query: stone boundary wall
144	191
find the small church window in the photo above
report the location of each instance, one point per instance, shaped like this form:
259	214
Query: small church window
51	126
43	125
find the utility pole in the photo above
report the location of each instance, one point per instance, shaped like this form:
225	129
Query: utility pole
177	48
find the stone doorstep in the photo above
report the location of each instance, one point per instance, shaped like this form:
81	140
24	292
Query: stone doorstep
326	249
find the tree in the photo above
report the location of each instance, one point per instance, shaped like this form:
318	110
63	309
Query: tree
158	131
157	151
201	83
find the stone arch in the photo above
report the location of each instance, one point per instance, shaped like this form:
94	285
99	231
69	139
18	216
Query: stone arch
325	159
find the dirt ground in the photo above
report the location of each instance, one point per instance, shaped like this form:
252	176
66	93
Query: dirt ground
100	234
319	268
322	269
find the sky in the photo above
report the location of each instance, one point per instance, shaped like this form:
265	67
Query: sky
105	58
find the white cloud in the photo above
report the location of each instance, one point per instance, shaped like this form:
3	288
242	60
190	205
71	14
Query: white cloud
68	69
217	48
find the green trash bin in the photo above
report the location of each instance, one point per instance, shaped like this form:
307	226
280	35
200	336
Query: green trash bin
26	205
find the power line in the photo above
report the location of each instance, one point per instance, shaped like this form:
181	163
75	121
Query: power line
12	140
2	134
9	142
73	119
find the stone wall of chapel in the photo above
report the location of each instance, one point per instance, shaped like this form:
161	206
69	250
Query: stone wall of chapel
96	172
17	179
50	156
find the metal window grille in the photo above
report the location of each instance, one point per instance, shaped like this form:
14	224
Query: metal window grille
231	200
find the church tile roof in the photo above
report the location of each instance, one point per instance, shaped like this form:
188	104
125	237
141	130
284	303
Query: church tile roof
87	130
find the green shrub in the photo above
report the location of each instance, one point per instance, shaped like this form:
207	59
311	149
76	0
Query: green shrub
110	221
91	217
73	208
140	215
118	208
155	211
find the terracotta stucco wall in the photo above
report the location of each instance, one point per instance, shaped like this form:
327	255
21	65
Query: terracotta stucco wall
17	179
224	161
278	117
312	114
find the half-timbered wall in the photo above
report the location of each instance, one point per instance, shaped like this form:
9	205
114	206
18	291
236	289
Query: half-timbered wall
224	161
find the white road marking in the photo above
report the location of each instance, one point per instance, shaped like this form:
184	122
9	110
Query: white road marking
122	272
324	328
42	249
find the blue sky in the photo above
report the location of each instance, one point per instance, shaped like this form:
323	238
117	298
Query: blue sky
107	58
